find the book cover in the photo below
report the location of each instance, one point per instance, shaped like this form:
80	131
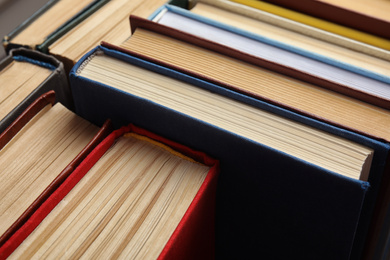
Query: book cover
264	195
295	33
109	22
192	238
40	158
354	34
42	41
56	80
251	76
308	66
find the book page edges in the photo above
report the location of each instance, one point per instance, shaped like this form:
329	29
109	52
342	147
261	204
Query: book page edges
60	192
102	133
31	111
138	22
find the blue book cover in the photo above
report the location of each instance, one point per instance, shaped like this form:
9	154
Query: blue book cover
364	84
269	204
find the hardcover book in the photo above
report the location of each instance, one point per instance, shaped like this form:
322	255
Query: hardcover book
288	31
24	76
157	43
303	166
38	151
49	23
361	36
254	77
259	170
136	195
108	23
308	66
67	29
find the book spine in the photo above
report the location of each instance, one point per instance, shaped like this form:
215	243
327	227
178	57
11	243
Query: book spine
57	81
63	175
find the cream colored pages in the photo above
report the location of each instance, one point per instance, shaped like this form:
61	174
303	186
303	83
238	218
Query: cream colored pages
110	23
50	21
17	81
36	155
308	144
127	206
296	34
290	92
121	31
91	31
269	52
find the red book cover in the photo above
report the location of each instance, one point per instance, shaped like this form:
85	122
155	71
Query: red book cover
15	127
193	238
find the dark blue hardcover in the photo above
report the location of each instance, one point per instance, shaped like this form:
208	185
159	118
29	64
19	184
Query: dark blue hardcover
270	205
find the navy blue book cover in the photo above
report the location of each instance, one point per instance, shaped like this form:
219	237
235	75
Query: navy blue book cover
269	204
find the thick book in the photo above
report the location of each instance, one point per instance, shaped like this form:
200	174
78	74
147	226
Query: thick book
286	30
67	29
350	78
24	76
105	20
157	44
256	77
38	152
136	195
50	23
274	189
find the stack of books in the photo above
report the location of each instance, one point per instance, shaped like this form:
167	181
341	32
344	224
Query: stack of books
197	130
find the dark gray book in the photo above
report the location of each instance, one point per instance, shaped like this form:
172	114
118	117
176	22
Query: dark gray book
12	88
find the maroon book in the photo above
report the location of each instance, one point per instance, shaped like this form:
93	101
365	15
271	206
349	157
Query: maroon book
336	14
